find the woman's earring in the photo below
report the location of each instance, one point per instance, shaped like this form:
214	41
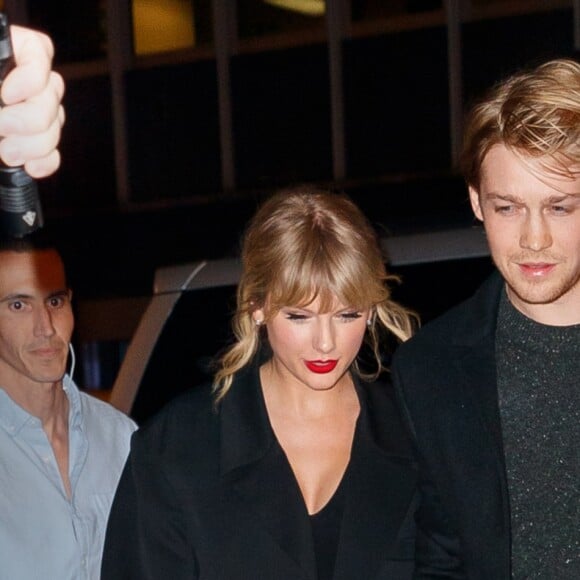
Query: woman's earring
258	322
369	323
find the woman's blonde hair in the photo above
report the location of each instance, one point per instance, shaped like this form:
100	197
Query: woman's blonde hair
304	244
535	113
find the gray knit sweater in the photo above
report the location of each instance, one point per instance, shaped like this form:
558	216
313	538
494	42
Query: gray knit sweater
538	370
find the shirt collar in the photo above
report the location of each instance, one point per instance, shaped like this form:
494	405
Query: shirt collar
13	417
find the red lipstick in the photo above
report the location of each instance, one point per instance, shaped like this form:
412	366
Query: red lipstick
321	366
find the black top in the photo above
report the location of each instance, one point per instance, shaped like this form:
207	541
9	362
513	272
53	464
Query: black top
326	526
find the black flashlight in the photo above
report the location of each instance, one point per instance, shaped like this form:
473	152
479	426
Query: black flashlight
20	210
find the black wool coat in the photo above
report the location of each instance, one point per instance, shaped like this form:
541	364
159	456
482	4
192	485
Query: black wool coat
209	494
446	382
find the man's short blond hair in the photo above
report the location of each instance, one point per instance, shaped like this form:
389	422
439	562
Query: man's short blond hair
534	113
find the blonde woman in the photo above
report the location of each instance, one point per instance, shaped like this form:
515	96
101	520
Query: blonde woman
293	464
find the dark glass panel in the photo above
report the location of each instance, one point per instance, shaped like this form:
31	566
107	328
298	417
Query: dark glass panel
396	103
494	48
281	105
86	178
372	9
78	29
173	131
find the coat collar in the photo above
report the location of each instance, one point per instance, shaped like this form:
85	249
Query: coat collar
246	433
381	480
477	373
478	319
382	483
475	363
255	465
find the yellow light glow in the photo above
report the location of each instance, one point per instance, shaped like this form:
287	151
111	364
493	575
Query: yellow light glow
307	7
162	25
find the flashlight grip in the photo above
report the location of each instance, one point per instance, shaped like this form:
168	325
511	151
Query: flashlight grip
20	209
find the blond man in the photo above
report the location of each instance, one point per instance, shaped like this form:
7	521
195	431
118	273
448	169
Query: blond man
490	389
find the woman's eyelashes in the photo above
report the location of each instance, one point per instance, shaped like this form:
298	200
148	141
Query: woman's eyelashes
344	316
297	316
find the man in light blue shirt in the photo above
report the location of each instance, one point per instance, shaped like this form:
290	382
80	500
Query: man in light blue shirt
61	451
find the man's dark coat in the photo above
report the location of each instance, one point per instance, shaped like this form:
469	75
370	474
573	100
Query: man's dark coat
446	380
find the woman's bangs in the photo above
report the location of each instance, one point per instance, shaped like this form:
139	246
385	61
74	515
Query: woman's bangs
327	282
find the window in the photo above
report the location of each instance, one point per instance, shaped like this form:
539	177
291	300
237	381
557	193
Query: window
78	28
258	18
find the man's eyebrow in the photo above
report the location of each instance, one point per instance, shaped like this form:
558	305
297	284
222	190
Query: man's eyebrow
504	196
564	196
514	198
57	293
16	296
60	293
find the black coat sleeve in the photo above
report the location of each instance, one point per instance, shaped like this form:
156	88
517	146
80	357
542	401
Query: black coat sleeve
437	550
146	535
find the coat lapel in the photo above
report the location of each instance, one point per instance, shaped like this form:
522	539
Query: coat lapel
483	462
381	489
259	473
475	364
381	481
476	370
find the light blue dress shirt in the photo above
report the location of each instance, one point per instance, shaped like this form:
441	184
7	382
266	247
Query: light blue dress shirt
44	535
